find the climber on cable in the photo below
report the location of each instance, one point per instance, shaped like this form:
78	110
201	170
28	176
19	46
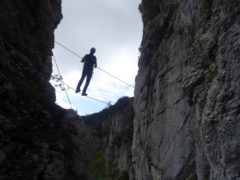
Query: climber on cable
89	61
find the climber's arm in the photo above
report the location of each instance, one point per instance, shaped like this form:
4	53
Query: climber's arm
95	65
83	59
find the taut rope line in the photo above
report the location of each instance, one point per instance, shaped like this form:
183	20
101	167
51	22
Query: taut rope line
69	50
62	82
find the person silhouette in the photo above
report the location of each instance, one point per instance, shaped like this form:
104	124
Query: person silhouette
89	61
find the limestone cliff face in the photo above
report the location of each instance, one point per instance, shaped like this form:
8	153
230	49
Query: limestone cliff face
111	137
187	102
38	139
186	107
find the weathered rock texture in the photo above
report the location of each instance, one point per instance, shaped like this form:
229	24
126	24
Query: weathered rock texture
186	105
38	139
112	131
187	101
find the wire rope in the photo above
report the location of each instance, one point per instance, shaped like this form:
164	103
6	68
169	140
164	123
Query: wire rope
71	51
62	82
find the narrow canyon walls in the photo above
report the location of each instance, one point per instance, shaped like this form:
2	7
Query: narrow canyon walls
38	139
187	91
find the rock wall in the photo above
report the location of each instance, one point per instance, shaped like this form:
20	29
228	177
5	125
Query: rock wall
111	135
186	105
38	139
187	102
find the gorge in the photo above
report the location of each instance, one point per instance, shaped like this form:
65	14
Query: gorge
182	124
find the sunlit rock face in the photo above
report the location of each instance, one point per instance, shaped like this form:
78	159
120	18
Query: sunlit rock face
38	139
187	102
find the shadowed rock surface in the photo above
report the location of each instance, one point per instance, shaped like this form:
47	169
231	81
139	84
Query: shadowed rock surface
111	133
187	102
38	139
186	108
